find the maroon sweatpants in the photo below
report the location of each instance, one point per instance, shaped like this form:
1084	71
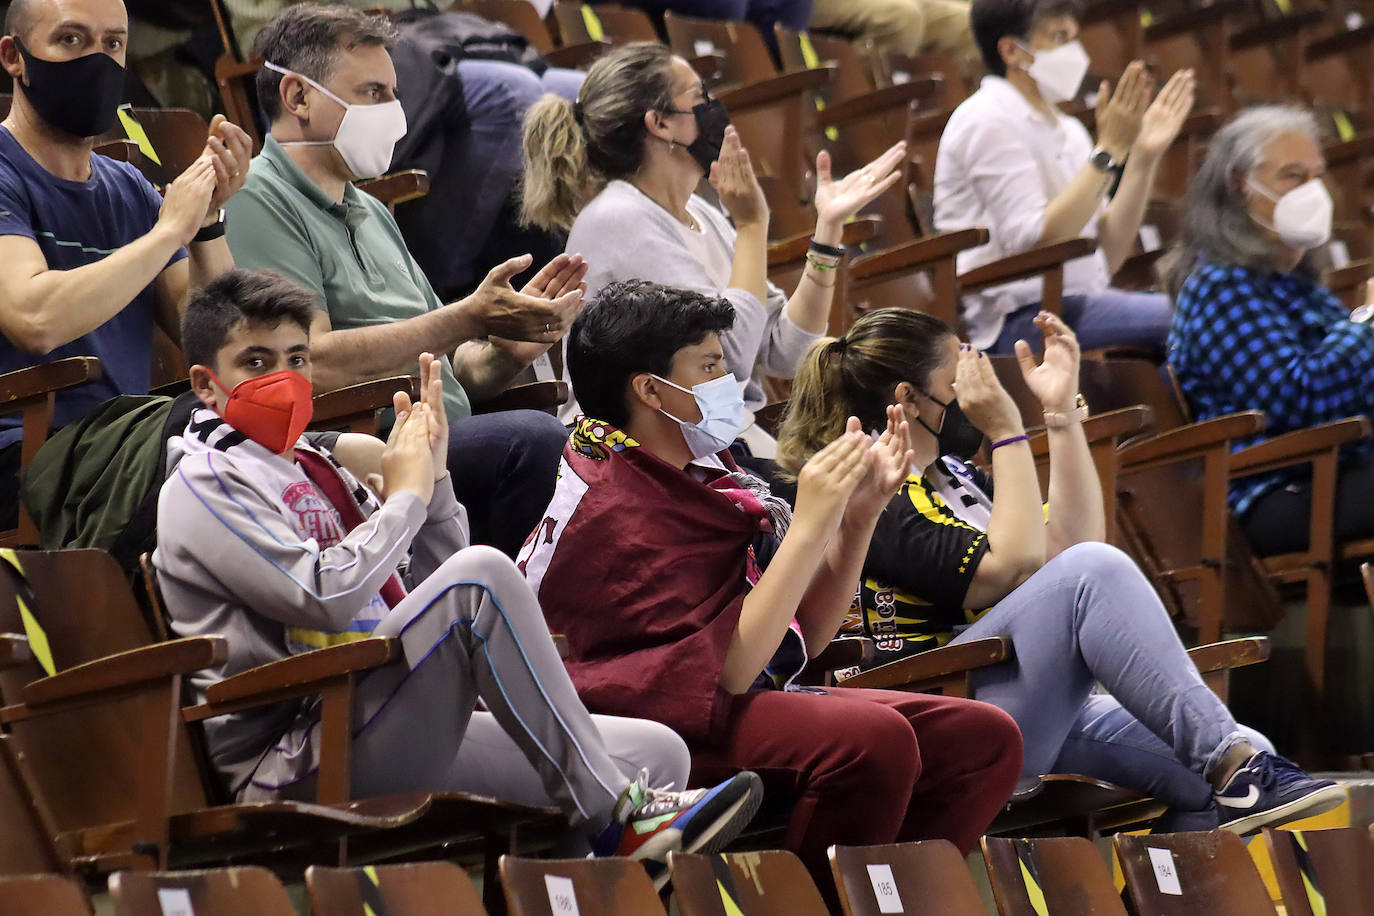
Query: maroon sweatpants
871	766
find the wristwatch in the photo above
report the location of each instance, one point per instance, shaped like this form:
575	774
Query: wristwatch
211	232
1362	314
1058	419
1102	160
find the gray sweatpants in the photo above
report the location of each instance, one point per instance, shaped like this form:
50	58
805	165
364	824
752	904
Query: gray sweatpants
1089	617
474	629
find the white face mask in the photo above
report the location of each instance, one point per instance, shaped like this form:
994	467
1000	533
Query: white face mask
1302	217
723	415
1058	72
367	135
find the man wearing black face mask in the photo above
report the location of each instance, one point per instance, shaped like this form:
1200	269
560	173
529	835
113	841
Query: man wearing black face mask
93	255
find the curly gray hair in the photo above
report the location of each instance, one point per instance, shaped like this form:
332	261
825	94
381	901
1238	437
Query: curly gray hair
1216	224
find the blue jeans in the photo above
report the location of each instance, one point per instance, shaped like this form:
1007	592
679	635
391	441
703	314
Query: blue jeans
1090	617
484	171
1109	319
504	466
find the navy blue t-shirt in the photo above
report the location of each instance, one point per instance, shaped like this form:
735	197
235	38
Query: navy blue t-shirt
77	223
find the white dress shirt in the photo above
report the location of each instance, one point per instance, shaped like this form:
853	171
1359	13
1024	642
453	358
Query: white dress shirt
1000	164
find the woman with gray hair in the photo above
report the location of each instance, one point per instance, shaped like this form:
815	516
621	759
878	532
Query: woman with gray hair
1253	327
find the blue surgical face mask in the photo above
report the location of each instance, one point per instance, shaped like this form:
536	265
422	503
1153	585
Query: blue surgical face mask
723	415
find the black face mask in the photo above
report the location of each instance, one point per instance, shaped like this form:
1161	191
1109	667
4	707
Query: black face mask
79	97
712	119
957	436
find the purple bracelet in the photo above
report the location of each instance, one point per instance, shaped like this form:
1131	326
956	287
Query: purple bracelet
1001	442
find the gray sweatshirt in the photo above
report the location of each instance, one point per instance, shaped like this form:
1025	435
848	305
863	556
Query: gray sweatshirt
242	553
625	235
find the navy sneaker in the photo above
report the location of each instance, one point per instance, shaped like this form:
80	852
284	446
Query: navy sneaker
1270	790
647	824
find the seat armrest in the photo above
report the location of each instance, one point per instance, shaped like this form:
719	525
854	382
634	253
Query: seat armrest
1030	263
14	650
1341	42
364	398
126	670
542	395
920	92
923	668
35	381
1297	447
777	88
1232	653
1266	32
301	675
1194	20
917	253
397	187
794	247
1191	441
576	56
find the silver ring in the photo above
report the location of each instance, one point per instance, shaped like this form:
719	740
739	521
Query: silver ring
871	179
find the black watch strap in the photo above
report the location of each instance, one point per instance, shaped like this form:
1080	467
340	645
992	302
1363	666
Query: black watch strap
211	232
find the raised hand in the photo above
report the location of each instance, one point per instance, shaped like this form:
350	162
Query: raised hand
837	201
1054	380
1165	116
184	206
407	460
732	175
520	316
830	476
982	398
890	465
1120	112
229	150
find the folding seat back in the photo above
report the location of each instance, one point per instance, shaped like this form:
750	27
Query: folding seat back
1328	872
768	883
214	892
1192	874
411	889
919	879
587	887
1054	875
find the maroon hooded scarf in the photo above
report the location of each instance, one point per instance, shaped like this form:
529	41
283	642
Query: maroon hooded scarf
644	569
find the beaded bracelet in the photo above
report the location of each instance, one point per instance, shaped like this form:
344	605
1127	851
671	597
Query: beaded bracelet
1008	441
830	250
817	263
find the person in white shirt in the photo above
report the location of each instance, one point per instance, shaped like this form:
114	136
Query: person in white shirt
1010	160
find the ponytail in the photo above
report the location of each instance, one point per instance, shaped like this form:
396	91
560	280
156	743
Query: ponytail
572	149
558	180
816	412
856	376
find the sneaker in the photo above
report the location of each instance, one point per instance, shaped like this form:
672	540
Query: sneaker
647	824
1270	790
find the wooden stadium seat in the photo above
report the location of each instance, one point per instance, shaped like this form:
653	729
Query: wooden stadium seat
1192	874
1323	872
411	889
216	892
522	17
116	787
32	393
1053	875
928	878
583	22
767	883
41	895
587	887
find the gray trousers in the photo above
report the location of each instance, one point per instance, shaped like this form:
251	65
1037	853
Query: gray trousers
1089	617
473	629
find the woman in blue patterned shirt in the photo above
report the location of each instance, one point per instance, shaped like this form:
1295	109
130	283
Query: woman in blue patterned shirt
1253	327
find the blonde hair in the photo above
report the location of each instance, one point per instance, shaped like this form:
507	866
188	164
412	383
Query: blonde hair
854	376
572	149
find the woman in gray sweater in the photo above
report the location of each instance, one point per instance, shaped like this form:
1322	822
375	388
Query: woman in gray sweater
618	171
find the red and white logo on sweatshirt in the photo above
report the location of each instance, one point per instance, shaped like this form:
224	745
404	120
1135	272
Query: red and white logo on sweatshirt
315	518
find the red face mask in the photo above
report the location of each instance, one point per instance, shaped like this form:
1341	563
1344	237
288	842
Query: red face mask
272	410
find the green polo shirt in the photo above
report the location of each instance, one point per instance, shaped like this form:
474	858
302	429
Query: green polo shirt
350	255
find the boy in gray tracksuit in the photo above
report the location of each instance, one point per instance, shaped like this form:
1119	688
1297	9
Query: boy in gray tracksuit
268	540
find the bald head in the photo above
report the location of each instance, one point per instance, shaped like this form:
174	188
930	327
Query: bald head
19	18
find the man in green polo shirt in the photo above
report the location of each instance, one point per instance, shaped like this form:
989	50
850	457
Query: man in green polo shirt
328	89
